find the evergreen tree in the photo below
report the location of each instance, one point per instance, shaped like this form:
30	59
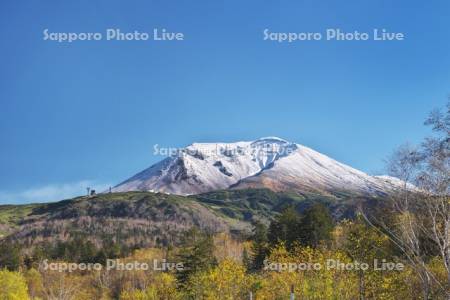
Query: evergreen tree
315	225
285	228
246	259
196	253
9	256
259	246
88	252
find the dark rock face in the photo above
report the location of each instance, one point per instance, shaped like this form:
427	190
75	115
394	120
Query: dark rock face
222	168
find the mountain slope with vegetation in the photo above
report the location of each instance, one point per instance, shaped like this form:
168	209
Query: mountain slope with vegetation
136	219
145	219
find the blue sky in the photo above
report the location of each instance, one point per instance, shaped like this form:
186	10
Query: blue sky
89	113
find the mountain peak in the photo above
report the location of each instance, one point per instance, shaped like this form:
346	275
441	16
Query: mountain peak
271	139
268	162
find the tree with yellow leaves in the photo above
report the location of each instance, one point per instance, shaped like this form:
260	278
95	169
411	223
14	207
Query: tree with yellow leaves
227	281
310	277
12	286
163	287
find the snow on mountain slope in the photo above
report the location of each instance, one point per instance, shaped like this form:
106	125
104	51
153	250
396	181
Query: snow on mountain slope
267	162
309	171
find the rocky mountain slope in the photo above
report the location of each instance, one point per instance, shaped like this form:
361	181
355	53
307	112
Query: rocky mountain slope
270	162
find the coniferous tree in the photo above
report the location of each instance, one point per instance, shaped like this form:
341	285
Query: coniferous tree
246	259
9	256
285	228
196	254
259	247
315	226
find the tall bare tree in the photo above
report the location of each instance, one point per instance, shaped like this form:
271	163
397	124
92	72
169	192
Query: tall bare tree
421	221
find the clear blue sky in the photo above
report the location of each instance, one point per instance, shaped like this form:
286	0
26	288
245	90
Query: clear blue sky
89	113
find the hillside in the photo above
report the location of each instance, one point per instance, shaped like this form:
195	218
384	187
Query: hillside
145	219
135	219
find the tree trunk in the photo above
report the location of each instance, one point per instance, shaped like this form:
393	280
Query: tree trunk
362	287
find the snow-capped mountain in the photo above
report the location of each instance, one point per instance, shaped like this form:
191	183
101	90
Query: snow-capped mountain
267	162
